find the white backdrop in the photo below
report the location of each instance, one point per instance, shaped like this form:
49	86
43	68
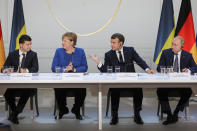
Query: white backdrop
138	20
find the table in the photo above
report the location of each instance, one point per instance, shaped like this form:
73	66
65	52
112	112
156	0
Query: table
99	83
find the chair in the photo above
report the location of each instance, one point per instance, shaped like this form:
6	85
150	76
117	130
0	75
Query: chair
33	97
68	94
172	96
122	94
5	127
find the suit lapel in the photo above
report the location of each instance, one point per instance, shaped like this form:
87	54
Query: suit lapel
171	57
182	59
126	55
27	58
114	57
17	57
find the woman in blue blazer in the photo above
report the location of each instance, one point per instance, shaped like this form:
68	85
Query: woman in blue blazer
72	59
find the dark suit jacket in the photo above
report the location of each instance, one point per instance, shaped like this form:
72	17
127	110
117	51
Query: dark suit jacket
167	59
31	61
130	55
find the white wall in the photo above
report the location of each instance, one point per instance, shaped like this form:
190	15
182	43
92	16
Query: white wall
138	20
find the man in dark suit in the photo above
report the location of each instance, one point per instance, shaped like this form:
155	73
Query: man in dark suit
181	61
23	60
124	57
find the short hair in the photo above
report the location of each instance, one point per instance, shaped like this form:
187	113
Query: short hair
24	38
119	36
71	36
182	40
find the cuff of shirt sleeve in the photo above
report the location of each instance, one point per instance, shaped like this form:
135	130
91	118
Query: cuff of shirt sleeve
27	70
189	71
74	70
147	69
99	65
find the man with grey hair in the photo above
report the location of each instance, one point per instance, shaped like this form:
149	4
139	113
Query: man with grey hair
181	61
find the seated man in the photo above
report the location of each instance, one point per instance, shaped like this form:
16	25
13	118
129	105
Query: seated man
181	61
23	60
124	57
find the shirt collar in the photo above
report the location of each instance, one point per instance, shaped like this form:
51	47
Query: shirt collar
120	50
179	53
20	52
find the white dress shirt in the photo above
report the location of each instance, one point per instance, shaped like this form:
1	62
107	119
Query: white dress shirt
21	57
179	58
117	53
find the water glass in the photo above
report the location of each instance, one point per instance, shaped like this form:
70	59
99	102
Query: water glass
5	70
195	74
117	69
64	70
57	69
162	69
109	69
11	69
170	69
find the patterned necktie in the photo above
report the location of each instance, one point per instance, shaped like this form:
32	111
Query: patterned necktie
176	66
23	61
120	57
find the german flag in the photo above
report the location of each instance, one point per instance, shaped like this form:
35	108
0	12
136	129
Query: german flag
2	50
18	25
166	30
185	28
196	40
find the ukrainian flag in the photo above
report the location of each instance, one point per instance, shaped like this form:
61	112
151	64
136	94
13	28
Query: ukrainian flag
18	25
166	31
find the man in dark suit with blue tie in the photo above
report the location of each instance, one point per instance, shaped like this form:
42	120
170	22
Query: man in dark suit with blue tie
23	60
181	61
124	57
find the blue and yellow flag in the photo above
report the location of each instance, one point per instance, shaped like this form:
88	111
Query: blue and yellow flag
18	25
166	31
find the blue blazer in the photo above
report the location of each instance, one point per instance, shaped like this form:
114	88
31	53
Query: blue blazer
186	60
78	59
130	55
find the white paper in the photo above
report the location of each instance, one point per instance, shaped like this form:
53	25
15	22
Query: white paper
182	74
126	74
72	74
21	75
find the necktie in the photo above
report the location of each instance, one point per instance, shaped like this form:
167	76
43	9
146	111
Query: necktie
23	61
120	57
176	66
